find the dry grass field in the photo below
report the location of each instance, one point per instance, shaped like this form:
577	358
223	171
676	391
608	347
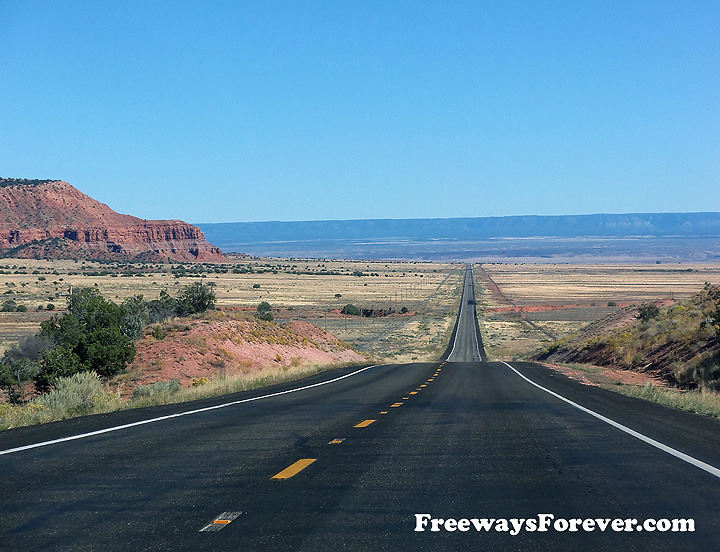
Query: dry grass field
312	290
522	306
526	306
410	307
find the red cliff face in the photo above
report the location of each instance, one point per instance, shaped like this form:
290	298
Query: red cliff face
52	219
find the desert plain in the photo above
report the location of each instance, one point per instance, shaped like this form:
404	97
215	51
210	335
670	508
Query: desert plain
521	306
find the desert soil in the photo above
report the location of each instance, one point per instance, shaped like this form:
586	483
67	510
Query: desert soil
309	290
525	307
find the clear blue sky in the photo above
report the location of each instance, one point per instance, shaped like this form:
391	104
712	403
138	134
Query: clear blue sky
305	110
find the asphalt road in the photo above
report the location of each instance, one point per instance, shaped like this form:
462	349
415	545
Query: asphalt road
457	439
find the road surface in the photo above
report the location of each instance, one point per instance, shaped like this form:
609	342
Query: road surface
347	460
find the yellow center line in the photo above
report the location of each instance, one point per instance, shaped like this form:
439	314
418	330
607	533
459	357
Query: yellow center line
294	469
383	412
396	405
413	392
406	398
365	423
423	385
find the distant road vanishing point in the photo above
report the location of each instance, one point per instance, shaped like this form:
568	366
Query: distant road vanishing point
460	454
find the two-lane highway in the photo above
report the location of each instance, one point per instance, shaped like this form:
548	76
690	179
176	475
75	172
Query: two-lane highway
348	460
466	343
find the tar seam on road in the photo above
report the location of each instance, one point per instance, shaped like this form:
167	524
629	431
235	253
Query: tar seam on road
676	453
179	414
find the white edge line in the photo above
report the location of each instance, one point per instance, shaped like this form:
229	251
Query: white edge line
462	306
462	303
178	415
681	455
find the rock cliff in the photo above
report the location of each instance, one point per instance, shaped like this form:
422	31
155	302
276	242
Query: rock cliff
51	219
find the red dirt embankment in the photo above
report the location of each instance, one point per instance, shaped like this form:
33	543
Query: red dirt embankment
227	344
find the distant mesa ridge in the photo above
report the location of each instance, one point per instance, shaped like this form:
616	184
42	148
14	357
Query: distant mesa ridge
649	236
52	219
526	226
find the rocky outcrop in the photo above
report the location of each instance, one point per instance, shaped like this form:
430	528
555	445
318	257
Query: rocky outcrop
52	219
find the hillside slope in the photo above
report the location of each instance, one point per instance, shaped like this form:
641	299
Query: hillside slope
226	344
676	341
52	219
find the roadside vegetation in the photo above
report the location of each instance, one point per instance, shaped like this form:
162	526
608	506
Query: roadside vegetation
86	393
71	367
81	334
606	325
700	401
678	342
94	335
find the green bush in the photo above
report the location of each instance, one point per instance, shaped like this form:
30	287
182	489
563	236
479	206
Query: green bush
20	364
158	333
92	335
136	316
195	298
351	309
15	375
647	311
264	312
76	394
162	308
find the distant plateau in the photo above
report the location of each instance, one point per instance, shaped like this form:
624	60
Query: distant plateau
651	238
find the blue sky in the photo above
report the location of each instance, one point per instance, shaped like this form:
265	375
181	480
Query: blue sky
248	111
